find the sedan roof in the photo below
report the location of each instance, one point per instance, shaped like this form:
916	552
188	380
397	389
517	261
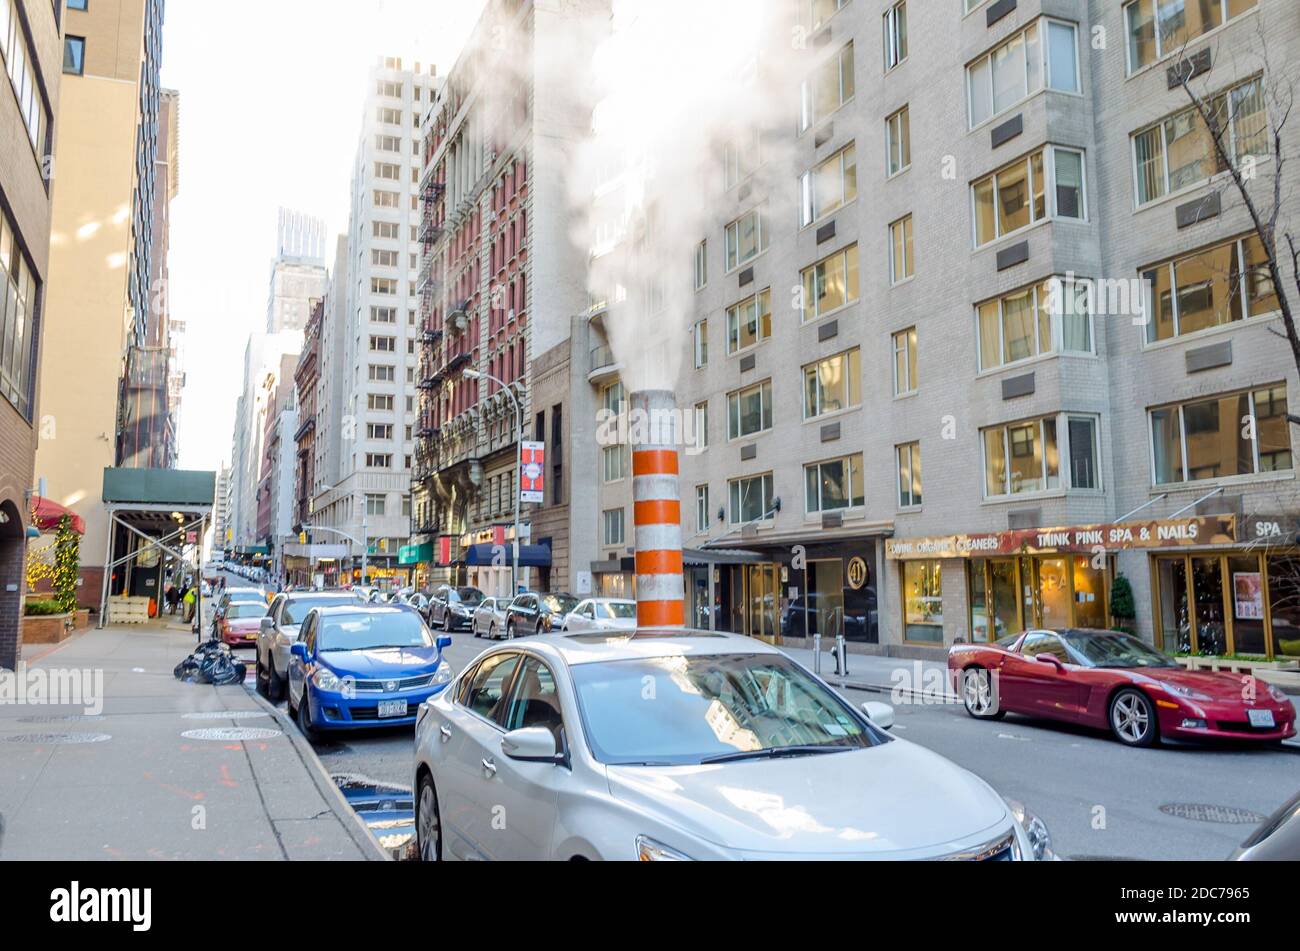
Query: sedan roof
596	648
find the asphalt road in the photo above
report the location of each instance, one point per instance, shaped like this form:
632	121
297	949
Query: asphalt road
1100	800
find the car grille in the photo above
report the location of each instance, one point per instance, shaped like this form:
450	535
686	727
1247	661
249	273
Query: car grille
380	686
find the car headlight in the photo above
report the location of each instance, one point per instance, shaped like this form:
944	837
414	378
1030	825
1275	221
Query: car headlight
648	850
442	675
1188	693
1040	840
326	679
1277	693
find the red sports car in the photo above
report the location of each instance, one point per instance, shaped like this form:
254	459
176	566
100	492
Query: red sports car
1116	682
241	622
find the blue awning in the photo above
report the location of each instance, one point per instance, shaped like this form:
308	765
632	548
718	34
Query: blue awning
485	556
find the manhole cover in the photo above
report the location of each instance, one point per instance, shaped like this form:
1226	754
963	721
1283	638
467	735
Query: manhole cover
227	734
57	739
1199	812
70	718
226	715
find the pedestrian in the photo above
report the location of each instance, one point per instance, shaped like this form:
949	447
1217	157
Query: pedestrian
190	598
172	597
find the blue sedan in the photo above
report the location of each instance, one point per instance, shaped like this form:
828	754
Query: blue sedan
362	666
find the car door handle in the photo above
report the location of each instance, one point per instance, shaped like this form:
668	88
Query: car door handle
446	733
489	767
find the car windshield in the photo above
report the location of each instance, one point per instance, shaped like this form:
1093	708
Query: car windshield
373	631
710	706
243	610
1105	649
619	610
559	603
297	609
470	596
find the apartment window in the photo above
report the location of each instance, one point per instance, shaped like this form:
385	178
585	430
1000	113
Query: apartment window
19	289
383	315
614	463
388	171
379	432
828	88
701	344
376	505
614	527
898	141
386	287
749	322
74	55
614	399
1179	152
905	379
1211	439
740	159
385	258
1211	288
1050	317
832	385
388	143
902	262
751	499
383	344
702	425
973	4
390	116
830	284
18	62
1157	28
1016	195
382	374
703	517
701	265
909	475
1043	55
749	411
1081	435
819	11
386	199
828	187
746	239
375	460
1021	458
895	30
834	486
379	403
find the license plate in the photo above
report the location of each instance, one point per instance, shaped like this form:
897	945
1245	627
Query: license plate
1261	718
392	708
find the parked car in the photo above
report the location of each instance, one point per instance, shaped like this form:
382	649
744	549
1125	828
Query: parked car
601	614
451	608
232	596
1277	839
1114	681
363	667
278	632
489	618
743	755
238	625
532	613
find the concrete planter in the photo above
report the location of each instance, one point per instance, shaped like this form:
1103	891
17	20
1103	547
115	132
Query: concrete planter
50	629
81	620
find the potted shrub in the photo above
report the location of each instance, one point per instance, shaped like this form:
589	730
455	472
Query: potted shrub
1123	609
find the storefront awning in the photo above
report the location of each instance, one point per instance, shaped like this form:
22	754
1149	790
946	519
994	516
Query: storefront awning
722	556
46	515
486	556
415	554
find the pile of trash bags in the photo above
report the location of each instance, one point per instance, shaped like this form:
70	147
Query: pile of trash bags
212	664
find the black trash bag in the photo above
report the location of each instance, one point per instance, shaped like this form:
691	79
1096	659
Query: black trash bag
212	663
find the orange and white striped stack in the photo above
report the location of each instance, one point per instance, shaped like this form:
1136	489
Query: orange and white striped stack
660	587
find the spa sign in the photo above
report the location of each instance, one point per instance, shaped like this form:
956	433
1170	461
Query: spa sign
1080	539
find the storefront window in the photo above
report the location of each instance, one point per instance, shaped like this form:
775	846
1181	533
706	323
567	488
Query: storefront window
1054	593
1089	594
1284	604
979	605
762	595
1207	584
1005	596
1246	589
923	602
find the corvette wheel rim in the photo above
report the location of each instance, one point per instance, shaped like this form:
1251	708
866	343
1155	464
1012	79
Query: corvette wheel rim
978	698
428	826
1131	718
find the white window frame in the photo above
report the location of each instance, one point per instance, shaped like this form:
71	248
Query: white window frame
1051	213
809	414
702	265
893	37
768	411
731	243
703	517
1062	458
701	343
809	200
852	460
910	503
735	310
1044	69
813	23
608	453
909	349
1056	345
1161	52
811	312
767	486
1148	294
894	278
809	113
1182	435
895	141
607	521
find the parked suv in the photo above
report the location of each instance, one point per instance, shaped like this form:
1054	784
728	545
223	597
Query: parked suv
452	608
534	613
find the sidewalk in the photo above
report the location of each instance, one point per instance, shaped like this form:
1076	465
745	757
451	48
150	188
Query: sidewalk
876	674
127	784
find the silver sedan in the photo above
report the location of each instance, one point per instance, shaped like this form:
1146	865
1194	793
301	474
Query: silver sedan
685	746
489	618
602	614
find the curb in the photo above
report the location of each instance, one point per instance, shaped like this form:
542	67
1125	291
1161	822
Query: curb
350	821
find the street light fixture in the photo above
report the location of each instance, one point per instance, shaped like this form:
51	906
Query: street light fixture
472	374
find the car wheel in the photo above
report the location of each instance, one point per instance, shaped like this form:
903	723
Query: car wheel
274	684
492	633
510	631
446	622
428	824
1133	718
304	719
977	694
260	677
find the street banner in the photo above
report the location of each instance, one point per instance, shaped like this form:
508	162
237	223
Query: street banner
532	474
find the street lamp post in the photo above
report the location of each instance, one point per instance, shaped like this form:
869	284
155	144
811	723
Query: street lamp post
472	374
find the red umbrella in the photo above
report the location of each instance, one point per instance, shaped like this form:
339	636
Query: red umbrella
46	514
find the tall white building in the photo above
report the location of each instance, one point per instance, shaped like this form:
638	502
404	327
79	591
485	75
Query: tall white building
368	377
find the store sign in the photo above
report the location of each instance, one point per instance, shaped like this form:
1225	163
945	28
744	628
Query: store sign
532	473
1271	530
857	574
1080	539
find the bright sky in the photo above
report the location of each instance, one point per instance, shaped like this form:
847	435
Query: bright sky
271	98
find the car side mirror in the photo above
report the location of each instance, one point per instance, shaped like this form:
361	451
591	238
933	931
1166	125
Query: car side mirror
444	642
1051	659
299	650
268	625
881	714
531	745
